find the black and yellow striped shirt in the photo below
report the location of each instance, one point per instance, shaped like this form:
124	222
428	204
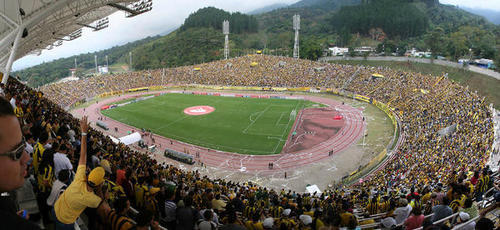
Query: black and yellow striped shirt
119	222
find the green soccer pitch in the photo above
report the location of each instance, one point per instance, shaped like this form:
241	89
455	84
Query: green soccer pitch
257	126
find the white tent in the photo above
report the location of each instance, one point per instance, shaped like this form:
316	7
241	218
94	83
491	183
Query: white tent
114	139
129	139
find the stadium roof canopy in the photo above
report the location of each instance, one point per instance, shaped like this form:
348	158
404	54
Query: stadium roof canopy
29	26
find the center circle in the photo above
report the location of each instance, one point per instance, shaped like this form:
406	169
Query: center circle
199	110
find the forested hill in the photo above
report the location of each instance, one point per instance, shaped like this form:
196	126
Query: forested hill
213	17
390	25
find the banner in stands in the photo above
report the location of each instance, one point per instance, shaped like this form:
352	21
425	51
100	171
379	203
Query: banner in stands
138	89
313	189
362	98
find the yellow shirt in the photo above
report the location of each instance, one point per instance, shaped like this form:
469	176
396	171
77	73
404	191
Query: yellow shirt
254	226
370	221
75	199
218	204
319	224
344	219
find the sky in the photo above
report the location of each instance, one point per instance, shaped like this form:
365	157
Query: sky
482	4
167	15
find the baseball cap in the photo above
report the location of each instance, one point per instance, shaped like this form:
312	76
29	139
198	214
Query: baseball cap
306	219
96	176
268	222
105	164
287	212
464	216
154	190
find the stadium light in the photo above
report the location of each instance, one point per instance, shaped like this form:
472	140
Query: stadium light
70	37
296	27
135	8
98	25
225	31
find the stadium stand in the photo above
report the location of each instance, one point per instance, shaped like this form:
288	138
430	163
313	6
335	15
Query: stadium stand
434	181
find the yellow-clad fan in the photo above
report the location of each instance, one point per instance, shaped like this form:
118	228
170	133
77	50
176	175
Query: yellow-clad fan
117	218
45	179
150	202
114	190
38	150
140	191
83	192
286	221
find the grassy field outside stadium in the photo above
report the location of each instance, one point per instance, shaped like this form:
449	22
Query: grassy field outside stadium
244	125
484	85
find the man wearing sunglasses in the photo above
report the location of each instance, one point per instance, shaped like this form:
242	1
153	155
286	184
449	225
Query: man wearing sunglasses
13	163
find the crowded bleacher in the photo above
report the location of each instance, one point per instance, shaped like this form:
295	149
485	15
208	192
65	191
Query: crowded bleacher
434	181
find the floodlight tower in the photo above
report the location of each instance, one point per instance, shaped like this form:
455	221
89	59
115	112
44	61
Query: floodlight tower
225	30
296	27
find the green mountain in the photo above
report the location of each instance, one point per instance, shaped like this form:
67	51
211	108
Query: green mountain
490	15
389	25
268	8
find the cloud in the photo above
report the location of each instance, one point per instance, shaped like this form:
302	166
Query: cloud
483	4
166	15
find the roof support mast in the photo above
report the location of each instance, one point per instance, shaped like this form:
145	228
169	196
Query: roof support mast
12	55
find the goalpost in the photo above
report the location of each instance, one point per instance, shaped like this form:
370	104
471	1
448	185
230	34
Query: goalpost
293	114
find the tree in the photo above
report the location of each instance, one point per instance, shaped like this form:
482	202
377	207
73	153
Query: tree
401	48
457	45
345	37
497	62
310	49
435	41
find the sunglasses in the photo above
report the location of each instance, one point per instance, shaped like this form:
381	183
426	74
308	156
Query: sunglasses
18	151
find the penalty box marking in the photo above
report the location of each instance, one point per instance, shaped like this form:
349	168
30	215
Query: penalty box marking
253	122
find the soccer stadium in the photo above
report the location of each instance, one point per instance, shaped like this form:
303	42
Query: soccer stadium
252	141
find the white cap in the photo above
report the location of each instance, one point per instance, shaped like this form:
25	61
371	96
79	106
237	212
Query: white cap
287	212
268	222
306	219
464	216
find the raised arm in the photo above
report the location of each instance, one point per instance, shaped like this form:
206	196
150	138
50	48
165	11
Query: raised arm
84	126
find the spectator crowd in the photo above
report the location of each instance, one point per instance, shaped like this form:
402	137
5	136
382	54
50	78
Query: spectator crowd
76	169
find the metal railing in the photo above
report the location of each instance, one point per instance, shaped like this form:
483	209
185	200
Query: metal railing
137	212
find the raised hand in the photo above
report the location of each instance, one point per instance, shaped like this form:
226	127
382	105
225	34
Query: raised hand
84	125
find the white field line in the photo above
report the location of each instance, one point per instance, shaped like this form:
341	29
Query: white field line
213	146
173	122
252	122
251	115
278	121
284	130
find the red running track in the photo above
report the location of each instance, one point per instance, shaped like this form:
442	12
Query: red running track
352	130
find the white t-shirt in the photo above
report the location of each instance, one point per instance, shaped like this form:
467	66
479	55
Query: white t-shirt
57	188
29	148
207	225
402	214
61	162
13	103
